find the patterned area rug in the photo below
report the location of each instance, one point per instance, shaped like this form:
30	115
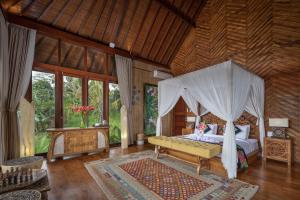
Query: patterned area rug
140	176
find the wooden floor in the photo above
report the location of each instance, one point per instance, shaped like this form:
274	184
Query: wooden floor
69	179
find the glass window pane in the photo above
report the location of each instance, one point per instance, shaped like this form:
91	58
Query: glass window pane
43	96
150	109
95	99
114	114
72	97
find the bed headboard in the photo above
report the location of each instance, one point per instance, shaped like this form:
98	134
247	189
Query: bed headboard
245	119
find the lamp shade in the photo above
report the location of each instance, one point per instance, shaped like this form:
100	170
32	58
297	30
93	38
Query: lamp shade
279	122
191	119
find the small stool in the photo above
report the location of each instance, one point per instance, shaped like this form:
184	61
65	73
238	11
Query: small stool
140	139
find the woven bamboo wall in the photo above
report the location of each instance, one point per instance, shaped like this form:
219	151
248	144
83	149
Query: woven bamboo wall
263	36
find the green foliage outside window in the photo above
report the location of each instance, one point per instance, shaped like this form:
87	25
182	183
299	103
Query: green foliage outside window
96	100
72	96
114	114
43	96
150	109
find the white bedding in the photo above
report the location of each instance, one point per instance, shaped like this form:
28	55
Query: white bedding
249	145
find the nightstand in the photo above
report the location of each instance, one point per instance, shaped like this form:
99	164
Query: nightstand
278	149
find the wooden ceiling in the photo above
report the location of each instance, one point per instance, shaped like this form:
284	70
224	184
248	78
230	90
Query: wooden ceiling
150	29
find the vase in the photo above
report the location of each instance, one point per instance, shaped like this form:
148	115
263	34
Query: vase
83	123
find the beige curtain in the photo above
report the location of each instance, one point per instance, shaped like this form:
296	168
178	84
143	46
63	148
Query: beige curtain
26	121
3	88
15	82
124	73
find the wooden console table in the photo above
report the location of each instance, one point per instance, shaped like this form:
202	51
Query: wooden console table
70	141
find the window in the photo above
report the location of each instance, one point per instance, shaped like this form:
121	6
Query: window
95	99
150	109
114	114
43	96
72	97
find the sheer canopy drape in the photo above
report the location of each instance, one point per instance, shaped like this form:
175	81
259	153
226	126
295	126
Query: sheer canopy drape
255	105
124	73
14	82
225	90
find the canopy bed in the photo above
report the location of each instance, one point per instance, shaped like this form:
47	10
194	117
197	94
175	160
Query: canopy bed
226	90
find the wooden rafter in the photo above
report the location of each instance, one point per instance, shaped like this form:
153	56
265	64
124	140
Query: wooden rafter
141	26
98	19
51	53
27	7
174	38
177	12
179	44
67	55
74	16
130	24
164	38
45	11
159	30
107	21
58	33
84	20
152	24
120	24
61	12
170	42
40	40
79	60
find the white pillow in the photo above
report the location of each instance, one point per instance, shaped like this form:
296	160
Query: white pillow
213	129
245	131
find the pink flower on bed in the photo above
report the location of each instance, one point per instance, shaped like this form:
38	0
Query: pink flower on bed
202	126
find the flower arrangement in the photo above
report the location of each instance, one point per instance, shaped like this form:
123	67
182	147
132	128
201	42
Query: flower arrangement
84	113
201	127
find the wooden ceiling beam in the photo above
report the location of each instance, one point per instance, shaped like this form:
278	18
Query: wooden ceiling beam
177	12
58	33
68	70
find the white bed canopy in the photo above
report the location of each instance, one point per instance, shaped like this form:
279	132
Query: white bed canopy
226	90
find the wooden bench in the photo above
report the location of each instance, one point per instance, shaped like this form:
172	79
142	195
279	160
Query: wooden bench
204	151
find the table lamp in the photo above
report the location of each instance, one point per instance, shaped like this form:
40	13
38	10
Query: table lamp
279	126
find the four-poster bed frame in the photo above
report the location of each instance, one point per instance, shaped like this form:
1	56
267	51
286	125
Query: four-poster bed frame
215	164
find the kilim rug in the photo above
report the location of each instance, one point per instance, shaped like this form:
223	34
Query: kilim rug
141	176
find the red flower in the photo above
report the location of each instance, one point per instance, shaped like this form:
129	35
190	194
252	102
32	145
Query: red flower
78	109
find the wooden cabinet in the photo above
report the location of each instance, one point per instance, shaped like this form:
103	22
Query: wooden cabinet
181	112
278	149
69	141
